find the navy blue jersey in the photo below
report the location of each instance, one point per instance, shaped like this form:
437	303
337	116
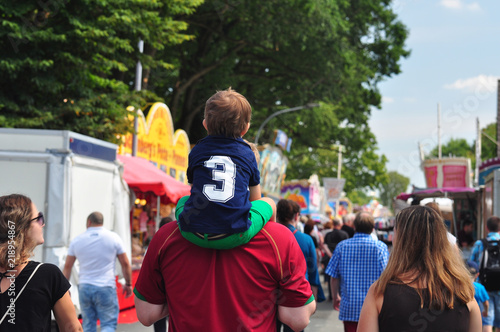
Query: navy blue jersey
221	169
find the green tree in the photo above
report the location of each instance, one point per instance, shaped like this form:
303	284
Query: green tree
395	185
456	147
488	142
359	197
285	54
70	64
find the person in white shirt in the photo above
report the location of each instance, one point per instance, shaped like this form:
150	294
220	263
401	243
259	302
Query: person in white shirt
96	251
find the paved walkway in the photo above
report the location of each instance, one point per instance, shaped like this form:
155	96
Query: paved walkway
324	320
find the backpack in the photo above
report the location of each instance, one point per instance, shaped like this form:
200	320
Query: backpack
489	269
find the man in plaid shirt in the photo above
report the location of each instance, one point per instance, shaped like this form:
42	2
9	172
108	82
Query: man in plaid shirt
355	264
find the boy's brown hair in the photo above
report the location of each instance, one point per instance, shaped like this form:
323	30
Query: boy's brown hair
227	113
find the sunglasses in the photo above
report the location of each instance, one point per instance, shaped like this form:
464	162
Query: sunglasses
39	219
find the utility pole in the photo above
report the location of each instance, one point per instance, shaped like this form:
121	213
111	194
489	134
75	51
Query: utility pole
478	152
137	87
498	117
341	148
439	131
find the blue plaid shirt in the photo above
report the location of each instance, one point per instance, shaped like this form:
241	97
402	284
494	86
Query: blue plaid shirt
477	249
357	262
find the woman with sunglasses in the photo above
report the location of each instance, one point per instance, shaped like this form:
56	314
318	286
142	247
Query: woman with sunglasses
29	290
425	286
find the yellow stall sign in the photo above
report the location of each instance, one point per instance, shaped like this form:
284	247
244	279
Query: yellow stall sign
158	143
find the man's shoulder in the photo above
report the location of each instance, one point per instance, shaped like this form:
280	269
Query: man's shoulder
381	245
277	236
277	230
109	234
492	236
305	238
79	237
337	233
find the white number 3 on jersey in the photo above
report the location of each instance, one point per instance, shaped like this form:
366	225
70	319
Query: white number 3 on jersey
226	175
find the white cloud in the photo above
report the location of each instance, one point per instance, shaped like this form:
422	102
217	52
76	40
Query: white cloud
459	4
454	4
473	6
387	100
474	83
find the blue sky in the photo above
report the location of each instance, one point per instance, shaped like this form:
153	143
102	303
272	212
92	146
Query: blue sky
454	61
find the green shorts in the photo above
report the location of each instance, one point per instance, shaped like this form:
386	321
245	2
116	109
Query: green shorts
259	215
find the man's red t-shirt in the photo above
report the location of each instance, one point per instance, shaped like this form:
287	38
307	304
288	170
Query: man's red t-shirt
224	290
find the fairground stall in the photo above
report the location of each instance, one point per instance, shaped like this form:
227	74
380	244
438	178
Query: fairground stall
449	183
155	171
68	176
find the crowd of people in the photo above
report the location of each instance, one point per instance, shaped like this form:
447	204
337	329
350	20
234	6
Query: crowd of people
234	261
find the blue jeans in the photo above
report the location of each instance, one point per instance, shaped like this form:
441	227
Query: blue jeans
98	303
493	310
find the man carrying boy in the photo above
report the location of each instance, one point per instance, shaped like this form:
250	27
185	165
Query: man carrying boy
246	287
225	208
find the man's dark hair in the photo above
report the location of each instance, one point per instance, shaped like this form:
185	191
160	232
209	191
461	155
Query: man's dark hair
364	222
96	218
286	211
492	223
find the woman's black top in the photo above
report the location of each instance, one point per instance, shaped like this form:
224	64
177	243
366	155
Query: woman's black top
32	310
401	312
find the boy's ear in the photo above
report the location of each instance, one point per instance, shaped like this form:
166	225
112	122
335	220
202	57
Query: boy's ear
205	124
245	131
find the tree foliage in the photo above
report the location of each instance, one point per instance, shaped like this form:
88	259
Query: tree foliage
456	147
488	142
459	147
395	185
359	198
69	64
286	54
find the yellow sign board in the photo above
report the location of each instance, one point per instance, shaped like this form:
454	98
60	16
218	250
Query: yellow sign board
158	143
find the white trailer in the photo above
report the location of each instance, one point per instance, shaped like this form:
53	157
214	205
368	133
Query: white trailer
68	176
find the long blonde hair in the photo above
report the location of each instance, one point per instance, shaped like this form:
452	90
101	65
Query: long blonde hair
15	221
422	250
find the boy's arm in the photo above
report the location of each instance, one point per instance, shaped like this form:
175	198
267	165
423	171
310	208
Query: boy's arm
255	193
486	305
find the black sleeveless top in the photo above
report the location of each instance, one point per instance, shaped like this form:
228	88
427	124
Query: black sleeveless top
401	312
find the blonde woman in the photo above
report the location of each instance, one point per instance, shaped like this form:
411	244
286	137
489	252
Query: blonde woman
29	291
425	286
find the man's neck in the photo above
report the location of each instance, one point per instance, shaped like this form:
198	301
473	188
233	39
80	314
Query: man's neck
94	226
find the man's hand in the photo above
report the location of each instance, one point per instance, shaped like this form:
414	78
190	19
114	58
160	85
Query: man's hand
127	290
334	283
336	303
